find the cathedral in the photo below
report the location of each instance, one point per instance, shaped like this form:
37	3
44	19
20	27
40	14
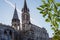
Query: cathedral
24	31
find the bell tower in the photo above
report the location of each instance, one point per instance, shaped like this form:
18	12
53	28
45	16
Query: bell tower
15	20
25	17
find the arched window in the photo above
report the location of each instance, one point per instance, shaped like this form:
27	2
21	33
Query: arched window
5	32
0	32
10	32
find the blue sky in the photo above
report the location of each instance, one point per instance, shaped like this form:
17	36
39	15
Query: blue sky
7	11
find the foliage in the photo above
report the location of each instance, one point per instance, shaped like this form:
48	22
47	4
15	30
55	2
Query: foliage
51	11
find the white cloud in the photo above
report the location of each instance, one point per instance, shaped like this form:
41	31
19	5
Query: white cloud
8	2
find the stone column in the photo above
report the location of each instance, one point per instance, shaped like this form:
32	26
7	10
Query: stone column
12	35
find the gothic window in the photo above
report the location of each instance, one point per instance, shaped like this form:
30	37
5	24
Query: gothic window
14	24
0	32
27	17
23	17
37	38
10	32
5	32
41	38
23	25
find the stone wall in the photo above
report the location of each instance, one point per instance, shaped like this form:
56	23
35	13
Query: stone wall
7	33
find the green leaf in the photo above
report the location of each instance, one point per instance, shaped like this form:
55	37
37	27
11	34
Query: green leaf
58	4
49	9
53	28
54	15
50	1
55	8
44	14
57	19
42	6
43	1
41	12
58	13
56	25
39	8
47	20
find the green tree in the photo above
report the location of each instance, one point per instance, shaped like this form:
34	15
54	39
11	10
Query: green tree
51	12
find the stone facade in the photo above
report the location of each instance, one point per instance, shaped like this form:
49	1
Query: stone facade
28	31
8	33
35	33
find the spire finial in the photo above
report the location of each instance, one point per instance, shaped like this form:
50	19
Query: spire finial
25	8
15	5
15	16
25	4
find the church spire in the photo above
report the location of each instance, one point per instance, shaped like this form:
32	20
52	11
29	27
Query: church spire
25	17
15	16
15	20
25	8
